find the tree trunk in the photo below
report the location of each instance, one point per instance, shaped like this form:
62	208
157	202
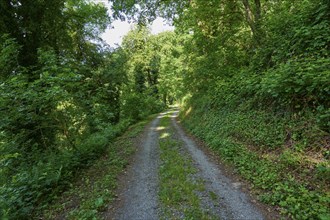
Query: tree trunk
253	19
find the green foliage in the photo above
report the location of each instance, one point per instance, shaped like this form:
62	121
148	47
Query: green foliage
301	30
60	100
31	189
9	50
257	80
256	140
299	82
178	190
260	97
137	106
146	11
93	188
64	97
262	65
154	67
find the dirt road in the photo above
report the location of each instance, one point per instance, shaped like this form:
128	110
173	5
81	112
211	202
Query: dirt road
139	198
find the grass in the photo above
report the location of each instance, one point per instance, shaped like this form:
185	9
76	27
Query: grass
257	144
94	188
178	188
213	196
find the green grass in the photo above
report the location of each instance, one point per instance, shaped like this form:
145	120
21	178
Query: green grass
94	188
177	187
213	196
256	143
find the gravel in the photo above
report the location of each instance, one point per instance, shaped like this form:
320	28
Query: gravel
140	197
234	204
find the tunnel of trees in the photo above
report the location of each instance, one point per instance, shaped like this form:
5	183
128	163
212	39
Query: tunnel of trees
252	73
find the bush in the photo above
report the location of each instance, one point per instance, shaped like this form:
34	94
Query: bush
136	106
245	138
34	186
299	83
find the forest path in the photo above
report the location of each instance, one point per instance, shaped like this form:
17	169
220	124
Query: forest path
140	194
138	197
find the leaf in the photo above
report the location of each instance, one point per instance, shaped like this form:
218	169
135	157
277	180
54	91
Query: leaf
99	202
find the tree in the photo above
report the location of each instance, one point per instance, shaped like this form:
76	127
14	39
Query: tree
53	46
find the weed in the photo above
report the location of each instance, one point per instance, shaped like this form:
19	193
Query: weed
178	187
285	179
213	196
94	188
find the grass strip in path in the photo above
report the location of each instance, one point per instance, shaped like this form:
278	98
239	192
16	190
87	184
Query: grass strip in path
178	188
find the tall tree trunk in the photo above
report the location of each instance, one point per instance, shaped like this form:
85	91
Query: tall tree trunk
253	19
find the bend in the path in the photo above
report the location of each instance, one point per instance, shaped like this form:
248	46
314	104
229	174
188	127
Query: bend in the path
234	203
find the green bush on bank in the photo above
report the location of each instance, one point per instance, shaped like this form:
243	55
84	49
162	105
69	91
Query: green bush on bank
137	106
270	116
271	127
32	188
241	137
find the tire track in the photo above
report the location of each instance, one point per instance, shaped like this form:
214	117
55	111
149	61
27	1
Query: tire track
140	196
234	204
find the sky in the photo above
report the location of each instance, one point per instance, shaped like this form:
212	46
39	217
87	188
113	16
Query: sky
114	36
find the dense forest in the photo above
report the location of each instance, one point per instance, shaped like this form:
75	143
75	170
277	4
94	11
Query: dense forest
252	78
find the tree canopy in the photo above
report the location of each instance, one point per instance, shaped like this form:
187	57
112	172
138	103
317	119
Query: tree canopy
65	93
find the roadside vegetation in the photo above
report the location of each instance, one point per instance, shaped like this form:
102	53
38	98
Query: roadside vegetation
252	78
65	96
179	185
93	189
293	180
264	107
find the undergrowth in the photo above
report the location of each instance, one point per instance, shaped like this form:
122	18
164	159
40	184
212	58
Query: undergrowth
282	155
94	189
35	188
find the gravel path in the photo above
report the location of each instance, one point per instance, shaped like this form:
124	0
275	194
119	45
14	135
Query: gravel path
234	203
140	199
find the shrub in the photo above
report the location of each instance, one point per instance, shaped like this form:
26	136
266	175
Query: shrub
299	83
33	186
